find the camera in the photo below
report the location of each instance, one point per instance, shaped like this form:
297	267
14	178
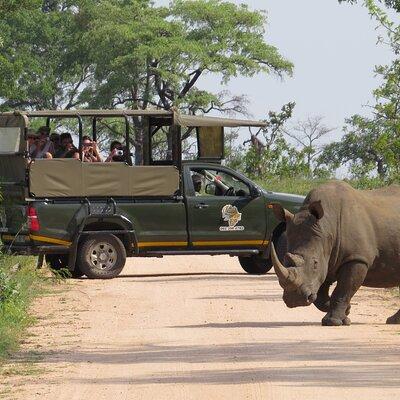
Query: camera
119	153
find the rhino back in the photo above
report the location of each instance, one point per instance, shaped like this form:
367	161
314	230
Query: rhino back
365	226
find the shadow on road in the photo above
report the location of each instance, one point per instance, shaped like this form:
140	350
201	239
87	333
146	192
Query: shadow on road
250	324
354	363
188	276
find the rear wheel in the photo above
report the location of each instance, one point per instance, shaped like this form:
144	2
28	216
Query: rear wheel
101	256
57	261
256	265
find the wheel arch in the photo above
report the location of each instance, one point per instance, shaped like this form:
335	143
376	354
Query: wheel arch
276	234
117	225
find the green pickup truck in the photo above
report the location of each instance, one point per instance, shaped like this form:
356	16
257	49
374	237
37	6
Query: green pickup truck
88	217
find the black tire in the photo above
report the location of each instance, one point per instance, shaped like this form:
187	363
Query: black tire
59	262
101	256
281	246
256	265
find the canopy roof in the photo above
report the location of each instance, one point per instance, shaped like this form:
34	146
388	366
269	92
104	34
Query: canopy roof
175	117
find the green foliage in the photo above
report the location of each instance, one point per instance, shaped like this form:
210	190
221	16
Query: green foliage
302	186
368	146
395	4
279	160
145	55
371	146
269	155
42	62
17	288
105	53
131	53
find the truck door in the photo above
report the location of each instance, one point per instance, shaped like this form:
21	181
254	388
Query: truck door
222	213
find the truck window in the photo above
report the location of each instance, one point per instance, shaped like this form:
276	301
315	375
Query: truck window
210	182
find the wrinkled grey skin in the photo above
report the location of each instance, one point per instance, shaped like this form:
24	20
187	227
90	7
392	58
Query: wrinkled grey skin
340	235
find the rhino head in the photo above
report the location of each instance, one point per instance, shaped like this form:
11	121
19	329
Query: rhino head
305	264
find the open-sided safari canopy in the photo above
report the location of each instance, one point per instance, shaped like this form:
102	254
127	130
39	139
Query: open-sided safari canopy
74	178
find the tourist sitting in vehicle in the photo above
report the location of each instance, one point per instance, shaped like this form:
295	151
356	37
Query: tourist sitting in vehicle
117	152
32	138
90	150
55	139
66	145
42	147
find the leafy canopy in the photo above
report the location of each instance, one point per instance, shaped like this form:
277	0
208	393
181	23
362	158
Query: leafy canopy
106	53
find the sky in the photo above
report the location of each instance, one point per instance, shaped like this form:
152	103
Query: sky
334	49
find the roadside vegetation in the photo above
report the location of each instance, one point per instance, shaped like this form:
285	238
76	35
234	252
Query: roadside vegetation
20	283
299	185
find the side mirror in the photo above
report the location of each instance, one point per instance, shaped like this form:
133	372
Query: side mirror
255	192
210	189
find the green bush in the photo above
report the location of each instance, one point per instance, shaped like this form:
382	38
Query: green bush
302	185
19	284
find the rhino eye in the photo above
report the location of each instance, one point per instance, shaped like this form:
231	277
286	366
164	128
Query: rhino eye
315	266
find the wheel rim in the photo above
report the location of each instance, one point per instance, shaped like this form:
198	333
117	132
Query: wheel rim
103	256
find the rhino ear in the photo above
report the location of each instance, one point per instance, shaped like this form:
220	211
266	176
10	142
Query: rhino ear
281	213
316	209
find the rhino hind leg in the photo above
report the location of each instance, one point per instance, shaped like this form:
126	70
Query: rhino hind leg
351	277
394	319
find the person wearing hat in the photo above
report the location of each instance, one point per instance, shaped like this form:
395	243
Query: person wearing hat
32	138
44	147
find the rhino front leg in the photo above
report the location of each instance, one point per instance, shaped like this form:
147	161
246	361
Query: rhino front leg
394	319
351	276
323	300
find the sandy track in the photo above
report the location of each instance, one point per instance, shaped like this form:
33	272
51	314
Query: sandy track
199	328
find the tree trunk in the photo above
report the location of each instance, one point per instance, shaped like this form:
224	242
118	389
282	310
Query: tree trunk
381	168
139	132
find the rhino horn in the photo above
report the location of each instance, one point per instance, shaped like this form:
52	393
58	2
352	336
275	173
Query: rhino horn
281	272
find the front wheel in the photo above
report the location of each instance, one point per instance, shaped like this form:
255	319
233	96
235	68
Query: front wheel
101	256
255	265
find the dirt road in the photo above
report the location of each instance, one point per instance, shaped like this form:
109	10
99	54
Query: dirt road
199	328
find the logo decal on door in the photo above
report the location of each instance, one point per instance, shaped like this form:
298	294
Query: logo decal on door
232	216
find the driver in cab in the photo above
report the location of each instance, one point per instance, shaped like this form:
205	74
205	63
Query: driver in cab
197	184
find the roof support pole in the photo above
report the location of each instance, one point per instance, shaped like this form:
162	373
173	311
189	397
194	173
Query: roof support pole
176	145
80	137
94	125
127	144
147	129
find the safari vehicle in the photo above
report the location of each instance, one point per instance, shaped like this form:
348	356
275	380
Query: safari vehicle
89	217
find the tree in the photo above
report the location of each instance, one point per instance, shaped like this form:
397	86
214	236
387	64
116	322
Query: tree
42	61
269	154
156	56
395	4
262	141
371	145
131	53
367	146
307	134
